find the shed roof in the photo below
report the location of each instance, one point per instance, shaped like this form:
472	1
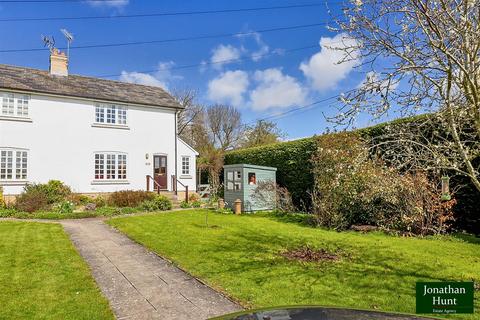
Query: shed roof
252	166
40	81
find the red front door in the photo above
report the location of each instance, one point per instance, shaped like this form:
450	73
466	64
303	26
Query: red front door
160	172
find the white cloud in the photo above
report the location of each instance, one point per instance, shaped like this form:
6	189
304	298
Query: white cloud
161	78
276	90
141	78
229	87
263	48
222	53
108	3
323	69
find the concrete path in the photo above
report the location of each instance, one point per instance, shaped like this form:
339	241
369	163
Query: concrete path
138	283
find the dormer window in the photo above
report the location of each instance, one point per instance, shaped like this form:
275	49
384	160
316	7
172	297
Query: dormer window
111	114
14	104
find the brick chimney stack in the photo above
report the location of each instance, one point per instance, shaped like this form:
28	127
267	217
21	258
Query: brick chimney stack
58	63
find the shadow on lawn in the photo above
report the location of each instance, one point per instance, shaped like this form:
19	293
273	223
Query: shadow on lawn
467	238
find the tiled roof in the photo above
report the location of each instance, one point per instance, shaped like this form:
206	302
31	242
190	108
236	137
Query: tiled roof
40	81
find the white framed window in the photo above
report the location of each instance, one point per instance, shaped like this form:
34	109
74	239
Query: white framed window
185	165
111	114
13	164
14	105
110	166
234	180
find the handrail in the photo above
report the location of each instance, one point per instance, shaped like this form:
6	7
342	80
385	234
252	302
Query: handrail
175	181
154	182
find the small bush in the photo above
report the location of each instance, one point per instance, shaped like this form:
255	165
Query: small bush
65	207
159	203
80	199
184	204
196	204
39	196
31	200
54	190
129	198
99	201
7	212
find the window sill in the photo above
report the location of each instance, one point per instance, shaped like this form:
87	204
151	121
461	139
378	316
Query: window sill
13	182
107	182
19	119
110	126
186	177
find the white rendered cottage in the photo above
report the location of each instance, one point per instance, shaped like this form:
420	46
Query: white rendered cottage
94	135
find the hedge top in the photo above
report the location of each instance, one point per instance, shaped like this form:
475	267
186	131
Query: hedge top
251	166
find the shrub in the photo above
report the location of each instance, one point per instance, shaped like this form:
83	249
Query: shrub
129	198
80	199
184	204
196	204
99	201
31	200
352	189
54	190
7	212
159	203
65	207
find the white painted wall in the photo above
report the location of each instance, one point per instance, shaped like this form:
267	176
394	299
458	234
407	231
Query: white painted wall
61	143
189	180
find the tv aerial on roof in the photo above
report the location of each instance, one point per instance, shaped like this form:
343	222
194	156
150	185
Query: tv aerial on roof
69	38
48	41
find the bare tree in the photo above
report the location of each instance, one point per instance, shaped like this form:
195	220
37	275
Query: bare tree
224	124
191	109
428	54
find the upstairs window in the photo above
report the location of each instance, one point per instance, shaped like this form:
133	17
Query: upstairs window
110	166
14	105
111	114
13	164
185	165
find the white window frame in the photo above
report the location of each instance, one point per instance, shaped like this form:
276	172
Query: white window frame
13	164
15	105
110	166
234	180
186	165
111	114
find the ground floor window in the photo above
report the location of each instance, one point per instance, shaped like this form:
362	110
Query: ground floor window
13	164
185	165
110	166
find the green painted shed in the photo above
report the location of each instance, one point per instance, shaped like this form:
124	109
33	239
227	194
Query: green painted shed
241	181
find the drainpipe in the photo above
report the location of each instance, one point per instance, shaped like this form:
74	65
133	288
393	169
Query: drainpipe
176	163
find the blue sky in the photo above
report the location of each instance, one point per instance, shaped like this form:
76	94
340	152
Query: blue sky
268	81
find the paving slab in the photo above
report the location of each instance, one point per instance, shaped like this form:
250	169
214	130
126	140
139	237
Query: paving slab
138	283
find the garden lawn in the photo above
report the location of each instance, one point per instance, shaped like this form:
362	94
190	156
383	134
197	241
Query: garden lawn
240	256
43	277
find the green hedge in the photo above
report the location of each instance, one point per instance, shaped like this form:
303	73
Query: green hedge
292	160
